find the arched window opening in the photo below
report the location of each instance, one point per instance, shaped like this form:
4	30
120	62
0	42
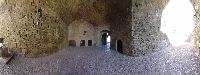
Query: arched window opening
177	21
106	39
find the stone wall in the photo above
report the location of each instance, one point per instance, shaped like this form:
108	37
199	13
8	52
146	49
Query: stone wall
39	27
93	11
146	23
119	18
137	24
196	33
142	18
83	30
31	27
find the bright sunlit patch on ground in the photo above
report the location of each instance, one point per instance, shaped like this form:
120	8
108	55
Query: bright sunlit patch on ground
177	21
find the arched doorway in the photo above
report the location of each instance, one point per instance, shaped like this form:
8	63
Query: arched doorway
105	38
177	21
119	46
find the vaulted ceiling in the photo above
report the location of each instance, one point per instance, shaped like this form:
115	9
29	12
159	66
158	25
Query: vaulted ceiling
93	11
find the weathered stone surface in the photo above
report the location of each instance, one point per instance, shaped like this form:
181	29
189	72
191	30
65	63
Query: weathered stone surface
146	24
137	24
197	23
119	18
93	11
32	26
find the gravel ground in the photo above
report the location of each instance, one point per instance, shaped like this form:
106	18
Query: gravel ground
99	61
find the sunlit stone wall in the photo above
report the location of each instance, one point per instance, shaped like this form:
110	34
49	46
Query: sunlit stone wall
196	4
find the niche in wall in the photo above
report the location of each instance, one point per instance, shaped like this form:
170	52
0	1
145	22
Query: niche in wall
89	42
82	43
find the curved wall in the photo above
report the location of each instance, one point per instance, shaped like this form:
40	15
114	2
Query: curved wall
32	28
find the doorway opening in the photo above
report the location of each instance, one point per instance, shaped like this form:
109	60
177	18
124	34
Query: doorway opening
119	47
106	39
177	21
89	42
82	43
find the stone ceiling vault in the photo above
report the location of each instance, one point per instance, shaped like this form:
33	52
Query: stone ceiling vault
93	11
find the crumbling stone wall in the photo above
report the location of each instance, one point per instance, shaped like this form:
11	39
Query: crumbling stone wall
31	27
146	23
119	17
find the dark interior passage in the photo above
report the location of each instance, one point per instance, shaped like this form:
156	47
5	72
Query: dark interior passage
89	42
119	46
82	43
104	39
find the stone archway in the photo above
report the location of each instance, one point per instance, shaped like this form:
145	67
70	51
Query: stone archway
177	21
191	7
105	38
